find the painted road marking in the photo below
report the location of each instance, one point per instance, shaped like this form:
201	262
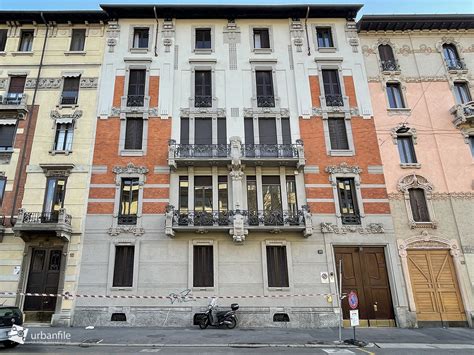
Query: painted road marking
150	350
337	351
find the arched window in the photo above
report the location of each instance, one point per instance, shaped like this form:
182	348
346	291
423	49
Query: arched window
419	207
387	59
417	191
451	57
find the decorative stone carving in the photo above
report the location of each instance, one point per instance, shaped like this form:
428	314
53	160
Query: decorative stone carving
414	182
115	111
249	112
130	169
238	230
3	83
372	228
89	83
405	50
44	83
56	115
235	152
454	195
168	35
169	215
203	111
343	168
112	34
132	229
325	112
351	34
297	32
411	132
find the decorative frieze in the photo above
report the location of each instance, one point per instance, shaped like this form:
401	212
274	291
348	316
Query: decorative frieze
371	228
202	111
351	34
343	168
3	83
56	83
112	34
249	112
319	111
411	79
126	229
57	116
130	168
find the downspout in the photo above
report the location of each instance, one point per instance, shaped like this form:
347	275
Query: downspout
156	32
28	127
306	30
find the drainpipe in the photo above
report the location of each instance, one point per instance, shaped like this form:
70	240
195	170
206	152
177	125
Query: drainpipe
306	30
28	127
156	32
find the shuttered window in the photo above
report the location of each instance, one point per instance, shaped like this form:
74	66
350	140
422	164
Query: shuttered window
7	135
277	266
418	205
203	266
202	88
331	82
324	37
136	87
395	97
261	38
3	39
123	266
348	205
26	41
265	95
203	38
184	134
386	53
406	149
134	133
70	91
78	39
338	134
17	84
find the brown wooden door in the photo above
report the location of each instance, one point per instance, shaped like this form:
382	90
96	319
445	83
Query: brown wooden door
364	271
435	286
43	277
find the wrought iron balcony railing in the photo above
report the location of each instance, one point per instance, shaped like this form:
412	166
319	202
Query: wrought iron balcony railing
127	219
202	218
202	101
135	100
274	218
13	99
271	150
463	113
200	150
334	100
58	223
266	101
389	65
350	218
46	217
455	64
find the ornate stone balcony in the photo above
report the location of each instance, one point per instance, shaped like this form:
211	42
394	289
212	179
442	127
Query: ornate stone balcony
15	102
236	153
238	223
463	113
30	224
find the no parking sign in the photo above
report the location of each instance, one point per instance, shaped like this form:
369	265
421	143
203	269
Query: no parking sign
353	300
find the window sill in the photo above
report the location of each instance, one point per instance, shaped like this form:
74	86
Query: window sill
21	53
3	53
132	153
60	152
113	288
423	225
276	289
262	50
457	71
139	50
327	50
391	72
410	166
399	111
203	51
75	53
60	106
341	153
203	289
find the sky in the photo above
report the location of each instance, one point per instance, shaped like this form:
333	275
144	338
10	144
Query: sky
370	6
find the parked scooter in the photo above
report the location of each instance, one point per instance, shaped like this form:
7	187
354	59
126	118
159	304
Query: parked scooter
217	318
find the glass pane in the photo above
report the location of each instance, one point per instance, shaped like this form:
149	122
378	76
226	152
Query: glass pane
291	193
129	198
222	193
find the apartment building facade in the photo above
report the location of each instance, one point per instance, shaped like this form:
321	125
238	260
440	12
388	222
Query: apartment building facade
49	71
236	155
420	75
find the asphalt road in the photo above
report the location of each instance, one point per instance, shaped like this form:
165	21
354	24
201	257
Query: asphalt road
101	350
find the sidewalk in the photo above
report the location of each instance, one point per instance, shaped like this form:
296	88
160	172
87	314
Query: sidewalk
246	337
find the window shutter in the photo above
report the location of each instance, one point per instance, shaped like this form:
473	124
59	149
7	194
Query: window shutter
203	131
134	133
17	84
285	130
267	130
249	137
331	82
338	133
7	134
386	53
277	266
136	84
184	134
203	266
264	83
78	40
418	205
3	39
221	131
123	268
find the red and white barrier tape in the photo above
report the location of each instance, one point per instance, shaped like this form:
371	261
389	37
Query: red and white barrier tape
172	296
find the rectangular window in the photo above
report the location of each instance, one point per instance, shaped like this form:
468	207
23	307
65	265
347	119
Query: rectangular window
252	205
70	91
54	198
291	196
141	37
203	266
223	199
249	137
462	93
268	137
183	194
17	85
184	134
3	184
272	207
277	266
134	133
203	194
7	136
395	97
418	205
136	88
261	38
338	134
63	138
332	87
78	39
406	150
123	266
203	38
26	41
265	95
324	37
348	201
202	88
129	201
3	40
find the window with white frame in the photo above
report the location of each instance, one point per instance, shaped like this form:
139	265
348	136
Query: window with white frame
141	37
26	41
63	137
261	38
395	95
123	266
264	85
203	266
332	87
133	133
7	135
324	37
406	149
348	203
461	92
203	88
70	92
203	38
419	207
277	266
129	200
338	133
78	40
